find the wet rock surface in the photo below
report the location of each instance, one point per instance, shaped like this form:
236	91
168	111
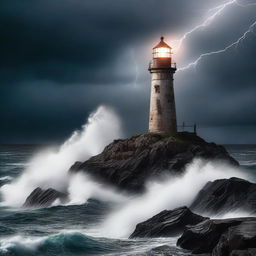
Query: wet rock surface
226	195
129	163
163	250
219	237
237	239
44	198
167	223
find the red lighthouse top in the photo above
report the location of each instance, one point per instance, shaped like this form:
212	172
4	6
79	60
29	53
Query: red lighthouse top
162	50
162	44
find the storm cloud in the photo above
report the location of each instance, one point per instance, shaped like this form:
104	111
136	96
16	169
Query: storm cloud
61	59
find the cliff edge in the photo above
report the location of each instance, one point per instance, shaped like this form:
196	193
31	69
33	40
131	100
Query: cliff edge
128	163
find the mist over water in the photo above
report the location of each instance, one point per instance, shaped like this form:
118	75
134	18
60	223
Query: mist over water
172	193
81	188
49	169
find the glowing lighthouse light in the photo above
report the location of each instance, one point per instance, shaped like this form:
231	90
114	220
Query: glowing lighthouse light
162	50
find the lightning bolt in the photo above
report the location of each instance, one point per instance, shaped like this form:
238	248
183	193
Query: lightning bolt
215	12
236	44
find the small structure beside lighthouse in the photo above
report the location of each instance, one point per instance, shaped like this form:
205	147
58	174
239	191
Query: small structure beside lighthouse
162	116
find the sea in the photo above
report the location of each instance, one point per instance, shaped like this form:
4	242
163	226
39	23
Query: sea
72	229
96	220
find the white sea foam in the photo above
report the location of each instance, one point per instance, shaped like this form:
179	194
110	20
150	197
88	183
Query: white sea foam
173	192
50	167
28	244
81	188
6	178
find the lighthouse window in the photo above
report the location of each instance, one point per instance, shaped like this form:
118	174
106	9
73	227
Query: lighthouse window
157	89
169	97
158	105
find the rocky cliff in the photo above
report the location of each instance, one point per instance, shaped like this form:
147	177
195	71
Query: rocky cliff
128	163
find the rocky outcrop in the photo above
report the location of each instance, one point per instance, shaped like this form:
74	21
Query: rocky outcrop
226	195
167	223
44	198
129	163
236	240
219	237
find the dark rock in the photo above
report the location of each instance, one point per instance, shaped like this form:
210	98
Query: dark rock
163	250
167	223
237	240
225	194
129	163
204	237
247	252
44	198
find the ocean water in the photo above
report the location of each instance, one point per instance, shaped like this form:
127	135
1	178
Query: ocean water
72	229
96	220
59	230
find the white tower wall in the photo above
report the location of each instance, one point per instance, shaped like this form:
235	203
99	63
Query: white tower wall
162	116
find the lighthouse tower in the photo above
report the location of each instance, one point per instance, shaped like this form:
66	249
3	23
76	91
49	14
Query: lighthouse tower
162	117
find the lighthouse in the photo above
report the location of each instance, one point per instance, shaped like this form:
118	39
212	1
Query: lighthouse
162	116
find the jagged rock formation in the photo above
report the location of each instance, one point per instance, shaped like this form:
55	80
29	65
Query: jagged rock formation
128	163
220	237
44	198
238	240
224	237
167	223
226	195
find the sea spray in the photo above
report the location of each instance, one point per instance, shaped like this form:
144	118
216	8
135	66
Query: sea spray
81	188
173	192
232	214
6	178
50	167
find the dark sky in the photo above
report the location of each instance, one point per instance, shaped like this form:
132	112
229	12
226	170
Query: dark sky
60	59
